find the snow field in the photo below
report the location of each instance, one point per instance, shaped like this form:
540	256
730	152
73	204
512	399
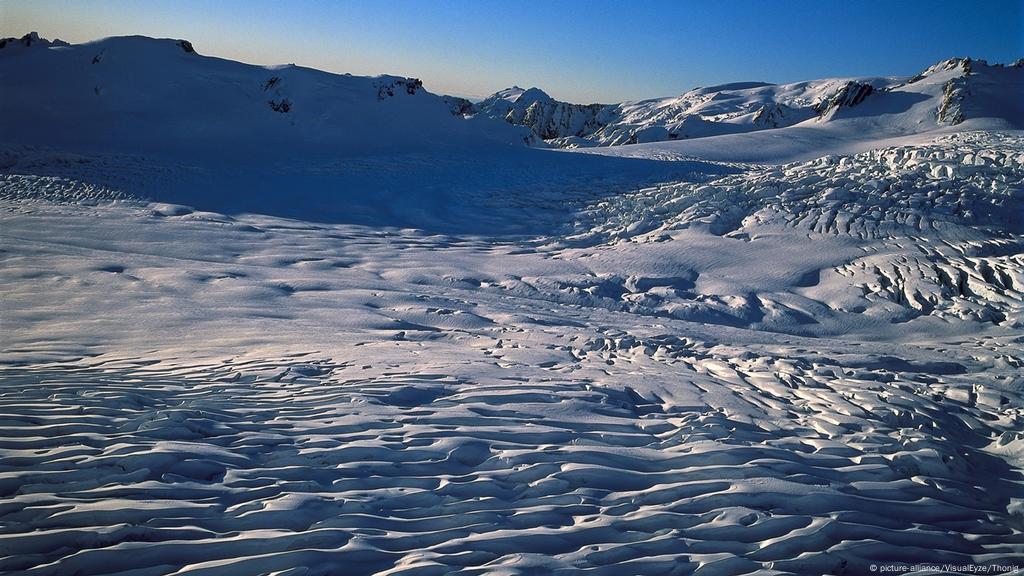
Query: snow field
188	392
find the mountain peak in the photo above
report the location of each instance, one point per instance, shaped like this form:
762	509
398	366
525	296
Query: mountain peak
515	94
534	94
31	39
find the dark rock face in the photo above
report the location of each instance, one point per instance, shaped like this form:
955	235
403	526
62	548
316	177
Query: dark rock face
546	117
963	63
412	85
281	104
186	46
953	94
30	39
771	116
458	106
955	90
409	85
850	95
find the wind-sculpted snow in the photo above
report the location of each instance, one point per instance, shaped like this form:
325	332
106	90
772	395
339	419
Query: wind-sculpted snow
615	366
755	461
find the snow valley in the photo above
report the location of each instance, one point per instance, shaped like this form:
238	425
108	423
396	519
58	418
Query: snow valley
271	320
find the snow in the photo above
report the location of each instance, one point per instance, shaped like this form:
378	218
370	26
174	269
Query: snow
848	109
389	339
100	95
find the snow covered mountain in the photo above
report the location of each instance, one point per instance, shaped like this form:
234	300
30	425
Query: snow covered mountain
141	93
547	117
145	94
947	93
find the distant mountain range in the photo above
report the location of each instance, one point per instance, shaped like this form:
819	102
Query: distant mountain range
945	94
141	93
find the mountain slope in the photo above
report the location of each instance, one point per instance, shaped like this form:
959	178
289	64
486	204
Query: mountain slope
137	93
547	117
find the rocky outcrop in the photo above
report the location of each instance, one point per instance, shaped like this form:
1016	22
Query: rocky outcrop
548	118
711	111
558	119
964	64
388	88
851	94
458	106
773	115
953	94
29	40
968	86
958	88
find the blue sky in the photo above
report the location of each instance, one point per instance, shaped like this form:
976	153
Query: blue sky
577	50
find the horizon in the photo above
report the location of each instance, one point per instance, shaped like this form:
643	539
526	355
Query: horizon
466	50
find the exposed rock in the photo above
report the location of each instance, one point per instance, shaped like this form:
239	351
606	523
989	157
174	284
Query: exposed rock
458	106
547	117
951	108
283	105
770	116
953	63
31	39
408	85
851	94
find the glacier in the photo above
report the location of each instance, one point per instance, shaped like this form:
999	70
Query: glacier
379	331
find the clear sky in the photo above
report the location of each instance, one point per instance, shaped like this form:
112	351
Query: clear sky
576	50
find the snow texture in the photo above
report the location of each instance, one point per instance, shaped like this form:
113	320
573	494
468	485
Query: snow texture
277	321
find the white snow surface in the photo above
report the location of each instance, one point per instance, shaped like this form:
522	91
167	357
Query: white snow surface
385	339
